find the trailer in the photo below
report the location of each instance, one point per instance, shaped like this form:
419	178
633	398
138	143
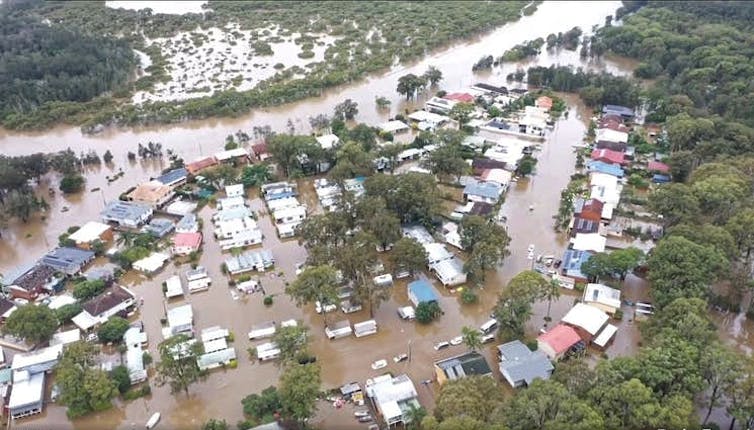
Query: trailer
365	328
268	351
338	330
263	330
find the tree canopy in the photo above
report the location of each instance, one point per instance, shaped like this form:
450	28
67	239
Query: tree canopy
32	323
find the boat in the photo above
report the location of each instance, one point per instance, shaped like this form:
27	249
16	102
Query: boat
379	364
359	414
456	340
64	209
153	420
441	345
400	357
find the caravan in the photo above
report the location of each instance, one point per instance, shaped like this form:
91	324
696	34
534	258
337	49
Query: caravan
365	328
265	329
338	330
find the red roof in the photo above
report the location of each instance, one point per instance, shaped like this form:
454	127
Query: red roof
259	148
608	156
460	97
544	102
592	205
192	240
613	125
200	164
656	166
560	338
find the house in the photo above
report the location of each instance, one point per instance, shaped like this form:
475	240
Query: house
137	372
572	261
430	119
66	337
231	214
180	319
587	320
487	88
613	122
173	178
590	209
115	300
606	168
39	279
520	366
27	394
91	232
394	397
198	280
187	224
460	97
497	176
215	359
59	300
581	225
231	155
418	233
421	291
235	226
197	166
608	156
394	127
67	260
461	366
186	243
173	287
451	234
126	214
613	146
235	190
608	135
480	165
543	102
439	105
533	122
602	297
289	215
38	361
279	204
181	208
436	252
248	261
229	203
658	167
449	272
621	111
558	341
152	263
327	141
278	190
7	307
485	192
593	242
159	227
242	239
509	152
153	194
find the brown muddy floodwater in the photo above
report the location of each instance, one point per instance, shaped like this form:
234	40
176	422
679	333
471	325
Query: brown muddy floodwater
342	360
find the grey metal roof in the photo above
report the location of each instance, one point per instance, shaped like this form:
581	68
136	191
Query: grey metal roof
119	210
521	364
173	176
460	366
488	190
67	259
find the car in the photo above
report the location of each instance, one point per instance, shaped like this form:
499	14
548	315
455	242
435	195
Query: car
441	345
406	313
92	337
456	340
487	338
365	419
327	308
359	414
379	364
400	358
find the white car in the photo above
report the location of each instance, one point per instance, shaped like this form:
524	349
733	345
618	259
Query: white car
327	308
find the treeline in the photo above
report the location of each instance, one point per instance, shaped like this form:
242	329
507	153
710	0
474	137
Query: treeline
595	89
523	51
42	64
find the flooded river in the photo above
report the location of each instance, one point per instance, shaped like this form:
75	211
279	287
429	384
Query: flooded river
342	360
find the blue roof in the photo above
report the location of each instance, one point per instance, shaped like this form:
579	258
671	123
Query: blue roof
423	291
173	176
660	179
572	261
490	190
607	168
67	259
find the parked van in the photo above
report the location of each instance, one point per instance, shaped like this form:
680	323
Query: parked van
489	326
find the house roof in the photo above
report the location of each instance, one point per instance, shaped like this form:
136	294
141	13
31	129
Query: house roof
617	110
460	366
188	222
231	153
583	225
89	232
589	242
660	179
499	176
152	192
41	357
481	209
605	335
173	176
424	116
120	210
393	126
181	207
608	155
607	168
35	277
422	290
192	240
27	391
602	294
544	102
521	364
609	135
200	164
160	227
491	88
560	338
234	190
6	305
586	317
65	337
152	262
327	141
67	259
657	166
588	206
572	261
460	97
481	164
180	315
107	300
249	260
488	190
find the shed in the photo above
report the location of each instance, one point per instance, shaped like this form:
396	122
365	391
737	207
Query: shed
262	330
365	328
421	291
338	329
606	335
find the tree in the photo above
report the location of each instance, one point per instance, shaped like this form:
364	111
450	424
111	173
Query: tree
513	308
447	161
288	149
291	341
215	424
461	112
597	266
550	292
33	323
433	75
85	290
676	203
316	283
546	404
575	375
720	196
299	390
426	312
526	165
112	330
408	255
741	228
177	366
347	109
83	386
487	244
255	175
382	102
413	197
364	135
474	397
108	157
319	122
720	369
623	260
220	176
119	375
709	235
680	268
741	396
65	313
22	204
72	183
472	337
686	318
351	161
263	407
408	85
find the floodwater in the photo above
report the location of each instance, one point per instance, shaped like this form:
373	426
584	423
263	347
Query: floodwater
342	360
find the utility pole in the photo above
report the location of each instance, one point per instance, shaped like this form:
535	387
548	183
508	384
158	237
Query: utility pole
409	350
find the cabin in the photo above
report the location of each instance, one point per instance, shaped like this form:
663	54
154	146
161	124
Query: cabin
289	215
460	366
338	329
173	287
198	280
520	366
262	330
267	351
126	214
248	261
558	341
229	228
365	328
449	272
242	239
90	233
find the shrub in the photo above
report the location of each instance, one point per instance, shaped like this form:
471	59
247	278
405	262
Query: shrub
147	358
468	297
120	375
112	330
233	364
427	312
618	315
267	300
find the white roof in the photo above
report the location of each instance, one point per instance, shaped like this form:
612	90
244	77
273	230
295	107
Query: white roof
288	202
605	335
327	141
174	287
180	315
393	126
84	321
607	210
181	207
500	176
424	116
215	345
231	153
609	135
44	355
603	180
587	317
89	232
602	294
61	300
288	228
135	360
27	391
389	391
151	263
234	226
450	271
509	151
294	211
65	337
234	190
134	336
230	202
212	333
409	153
589	242
437	252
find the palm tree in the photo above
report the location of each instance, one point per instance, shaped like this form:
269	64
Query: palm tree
126	238
414	417
551	292
471	337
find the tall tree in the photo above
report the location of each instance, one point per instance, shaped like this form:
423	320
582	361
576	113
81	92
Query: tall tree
33	323
316	283
347	109
177	366
514	305
84	387
474	396
741	228
721	368
299	390
447	161
408	85
676	203
409	255
292	342
433	75
548	405
461	113
472	337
